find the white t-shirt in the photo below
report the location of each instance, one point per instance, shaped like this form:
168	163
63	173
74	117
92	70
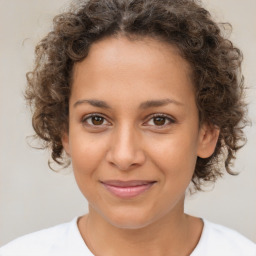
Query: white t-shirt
66	240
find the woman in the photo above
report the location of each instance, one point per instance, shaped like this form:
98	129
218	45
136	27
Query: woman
143	97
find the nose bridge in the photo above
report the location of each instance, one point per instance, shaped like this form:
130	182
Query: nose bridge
126	149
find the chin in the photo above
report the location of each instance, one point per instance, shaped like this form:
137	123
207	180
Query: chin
129	219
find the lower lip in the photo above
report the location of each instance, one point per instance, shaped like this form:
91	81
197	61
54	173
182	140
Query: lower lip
128	192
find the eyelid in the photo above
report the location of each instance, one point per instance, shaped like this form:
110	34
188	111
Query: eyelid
85	117
171	119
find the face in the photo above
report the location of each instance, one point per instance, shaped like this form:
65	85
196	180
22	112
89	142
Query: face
134	133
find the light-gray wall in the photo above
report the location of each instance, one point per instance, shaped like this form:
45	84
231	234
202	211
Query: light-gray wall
32	197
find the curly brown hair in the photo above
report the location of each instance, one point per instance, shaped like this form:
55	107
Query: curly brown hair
215	64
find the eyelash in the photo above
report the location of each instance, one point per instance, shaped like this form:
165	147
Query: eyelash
90	116
167	118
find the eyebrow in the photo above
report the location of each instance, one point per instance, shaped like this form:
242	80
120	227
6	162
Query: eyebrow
95	103
143	105
159	103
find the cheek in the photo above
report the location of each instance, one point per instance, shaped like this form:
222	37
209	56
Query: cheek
176	155
87	152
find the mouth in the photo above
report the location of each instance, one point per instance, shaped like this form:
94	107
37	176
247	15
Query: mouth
127	189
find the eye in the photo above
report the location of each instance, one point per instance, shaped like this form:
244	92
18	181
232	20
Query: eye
160	120
95	120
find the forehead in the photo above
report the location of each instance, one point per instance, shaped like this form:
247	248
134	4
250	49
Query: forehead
144	67
122	50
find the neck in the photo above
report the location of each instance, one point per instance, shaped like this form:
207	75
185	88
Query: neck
174	234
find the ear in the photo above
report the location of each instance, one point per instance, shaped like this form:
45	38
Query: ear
65	143
208	137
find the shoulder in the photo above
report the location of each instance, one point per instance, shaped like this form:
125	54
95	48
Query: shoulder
51	241
219	240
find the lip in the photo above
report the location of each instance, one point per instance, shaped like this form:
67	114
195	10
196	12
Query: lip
127	189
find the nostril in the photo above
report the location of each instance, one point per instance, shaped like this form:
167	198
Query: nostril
125	151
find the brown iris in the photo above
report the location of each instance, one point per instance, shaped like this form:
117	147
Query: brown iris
159	120
97	120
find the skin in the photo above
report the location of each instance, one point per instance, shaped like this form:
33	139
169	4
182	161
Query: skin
116	82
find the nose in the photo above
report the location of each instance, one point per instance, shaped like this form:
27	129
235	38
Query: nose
126	150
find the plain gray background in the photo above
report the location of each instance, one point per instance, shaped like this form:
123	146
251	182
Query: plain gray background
33	197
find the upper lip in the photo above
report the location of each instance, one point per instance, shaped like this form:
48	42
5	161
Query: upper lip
129	183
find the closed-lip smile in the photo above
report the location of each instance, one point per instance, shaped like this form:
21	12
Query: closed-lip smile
127	189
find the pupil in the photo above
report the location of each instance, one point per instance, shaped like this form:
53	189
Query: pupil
159	120
97	120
